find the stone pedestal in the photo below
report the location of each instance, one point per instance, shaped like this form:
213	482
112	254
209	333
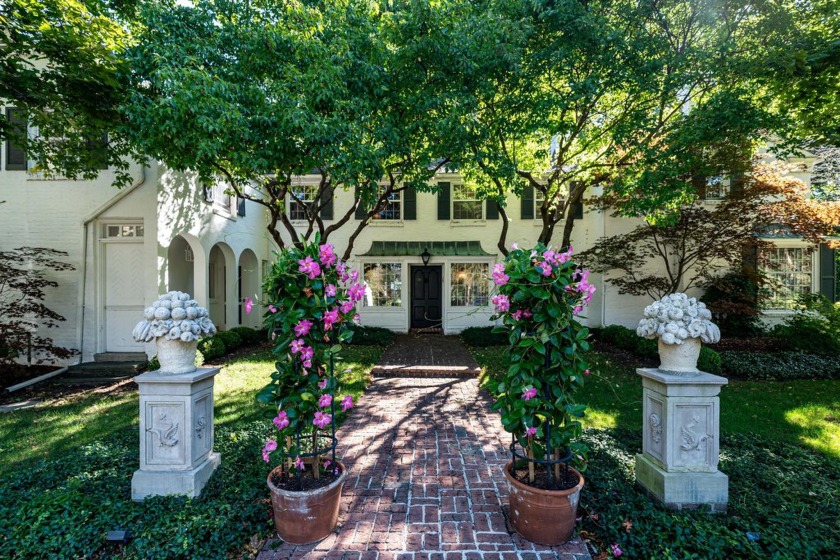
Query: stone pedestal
176	434
680	443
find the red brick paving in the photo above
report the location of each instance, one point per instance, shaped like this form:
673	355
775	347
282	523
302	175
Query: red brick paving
423	355
424	459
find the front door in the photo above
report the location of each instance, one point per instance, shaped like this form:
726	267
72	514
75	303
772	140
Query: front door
123	294
426	296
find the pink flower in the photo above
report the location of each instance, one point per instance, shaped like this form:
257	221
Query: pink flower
550	257
325	252
529	394
543	268
330	318
327	464
323	383
564	257
531	432
297	345
521	314
526	314
282	420
330	290
356	292
341	268
306	353
272	309
307	364
514	246
309	267
501	302
354	275
346	403
346	307
616	550
270	446
577	310
586	372
325	401
302	328
322	420
499	276
249	304
299	464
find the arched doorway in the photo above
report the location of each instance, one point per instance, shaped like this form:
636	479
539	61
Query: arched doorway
220	286
249	286
181	265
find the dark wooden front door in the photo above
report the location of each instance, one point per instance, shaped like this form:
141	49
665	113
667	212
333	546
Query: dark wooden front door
426	296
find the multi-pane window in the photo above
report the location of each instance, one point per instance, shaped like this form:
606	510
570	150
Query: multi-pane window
789	273
123	230
469	284
465	203
303	197
383	285
539	199
716	188
391	210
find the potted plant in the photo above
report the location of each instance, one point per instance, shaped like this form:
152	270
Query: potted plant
680	323
311	301
540	292
175	322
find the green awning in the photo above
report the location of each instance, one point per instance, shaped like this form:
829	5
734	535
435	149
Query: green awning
436	248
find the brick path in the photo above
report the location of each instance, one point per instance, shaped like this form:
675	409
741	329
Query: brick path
414	355
425	480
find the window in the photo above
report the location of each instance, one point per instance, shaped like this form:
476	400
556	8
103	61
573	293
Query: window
539	198
469	284
789	273
391	210
306	194
15	156
383	285
716	188
465	203
123	231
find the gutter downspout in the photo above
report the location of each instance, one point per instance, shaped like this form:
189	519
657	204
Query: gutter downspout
80	301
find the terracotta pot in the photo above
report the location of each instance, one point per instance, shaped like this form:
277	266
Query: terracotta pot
176	356
679	358
309	516
543	516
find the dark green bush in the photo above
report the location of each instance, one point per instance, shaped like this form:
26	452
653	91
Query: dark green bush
620	336
815	328
733	301
371	336
154	364
484	336
780	366
645	347
212	347
231	339
249	336
709	361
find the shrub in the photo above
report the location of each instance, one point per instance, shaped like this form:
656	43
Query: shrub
249	336
231	339
212	347
709	361
154	363
814	328
621	337
483	336
780	366
371	336
733	301
627	339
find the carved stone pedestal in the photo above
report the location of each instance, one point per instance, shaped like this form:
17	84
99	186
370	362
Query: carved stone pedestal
176	433
680	443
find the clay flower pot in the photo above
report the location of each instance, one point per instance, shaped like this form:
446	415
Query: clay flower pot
176	356
679	359
543	516
308	516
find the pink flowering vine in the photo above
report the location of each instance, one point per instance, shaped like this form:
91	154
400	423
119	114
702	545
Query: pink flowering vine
302	328
501	302
529	394
249	304
326	255
330	290
281	421
347	403
499	276
322	420
330	318
325	400
270	446
531	432
309	267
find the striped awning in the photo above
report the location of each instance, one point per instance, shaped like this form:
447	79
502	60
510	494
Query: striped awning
435	248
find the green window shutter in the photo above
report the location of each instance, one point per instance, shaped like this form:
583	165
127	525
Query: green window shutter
15	156
699	184
577	211
361	211
99	152
240	206
443	200
492	210
409	203
527	199
750	259
326	204
828	272
736	184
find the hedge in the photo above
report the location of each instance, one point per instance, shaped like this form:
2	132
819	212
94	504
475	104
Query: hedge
772	366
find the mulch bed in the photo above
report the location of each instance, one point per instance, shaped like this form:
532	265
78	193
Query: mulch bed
304	483
15	373
541	479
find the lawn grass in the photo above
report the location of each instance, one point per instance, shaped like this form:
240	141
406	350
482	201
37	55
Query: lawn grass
805	412
58	427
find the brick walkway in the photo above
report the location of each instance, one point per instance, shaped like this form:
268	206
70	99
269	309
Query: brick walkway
425	480
419	355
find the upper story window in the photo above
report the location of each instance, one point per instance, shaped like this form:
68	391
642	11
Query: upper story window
15	156
392	209
123	230
789	272
469	285
716	188
304	197
383	285
465	203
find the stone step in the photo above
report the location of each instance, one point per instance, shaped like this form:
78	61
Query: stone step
424	371
105	369
120	357
93	381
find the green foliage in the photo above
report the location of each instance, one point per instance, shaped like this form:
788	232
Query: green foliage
621	337
814	328
733	301
211	348
371	336
311	301
250	336
709	361
154	363
764	489
540	293
231	340
483	336
778	366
